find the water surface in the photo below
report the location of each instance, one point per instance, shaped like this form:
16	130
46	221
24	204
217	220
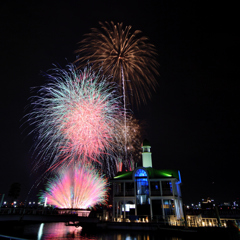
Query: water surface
42	231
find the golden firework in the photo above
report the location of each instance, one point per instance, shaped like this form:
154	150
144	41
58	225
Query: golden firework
129	59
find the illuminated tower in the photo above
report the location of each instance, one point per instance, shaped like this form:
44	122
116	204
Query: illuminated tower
146	154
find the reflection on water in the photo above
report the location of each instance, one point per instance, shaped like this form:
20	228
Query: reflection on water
58	230
44	231
40	231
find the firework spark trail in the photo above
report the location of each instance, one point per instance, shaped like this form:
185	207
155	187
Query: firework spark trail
76	187
75	116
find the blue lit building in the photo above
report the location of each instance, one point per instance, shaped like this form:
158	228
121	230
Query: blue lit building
147	192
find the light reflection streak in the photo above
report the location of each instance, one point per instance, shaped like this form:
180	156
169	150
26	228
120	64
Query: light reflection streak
40	231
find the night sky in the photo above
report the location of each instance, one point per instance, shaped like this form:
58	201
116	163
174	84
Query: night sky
192	118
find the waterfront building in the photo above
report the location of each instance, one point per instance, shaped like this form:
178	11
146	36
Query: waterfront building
147	193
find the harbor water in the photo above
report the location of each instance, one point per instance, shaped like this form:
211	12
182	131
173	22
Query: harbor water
42	231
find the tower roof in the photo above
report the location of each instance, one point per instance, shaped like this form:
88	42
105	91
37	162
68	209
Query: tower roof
146	143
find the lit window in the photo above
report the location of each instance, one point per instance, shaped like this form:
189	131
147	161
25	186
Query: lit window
142	187
141	173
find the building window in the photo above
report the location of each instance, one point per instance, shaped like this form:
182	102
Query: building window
140	173
155	188
119	189
142	187
142	191
129	189
167	188
168	206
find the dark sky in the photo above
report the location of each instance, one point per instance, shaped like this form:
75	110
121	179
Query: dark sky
193	116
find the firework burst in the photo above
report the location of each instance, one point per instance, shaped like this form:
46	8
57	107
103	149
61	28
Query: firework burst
115	161
129	59
75	115
76	187
133	133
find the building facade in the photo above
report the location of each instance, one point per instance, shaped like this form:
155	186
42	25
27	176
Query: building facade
147	192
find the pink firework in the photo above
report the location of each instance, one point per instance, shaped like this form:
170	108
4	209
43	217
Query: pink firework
85	127
76	116
76	187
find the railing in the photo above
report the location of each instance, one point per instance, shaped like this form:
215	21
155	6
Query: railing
167	192
199	221
129	192
119	194
36	211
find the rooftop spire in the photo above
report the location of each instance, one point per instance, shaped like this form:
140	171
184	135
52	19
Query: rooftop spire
146	154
